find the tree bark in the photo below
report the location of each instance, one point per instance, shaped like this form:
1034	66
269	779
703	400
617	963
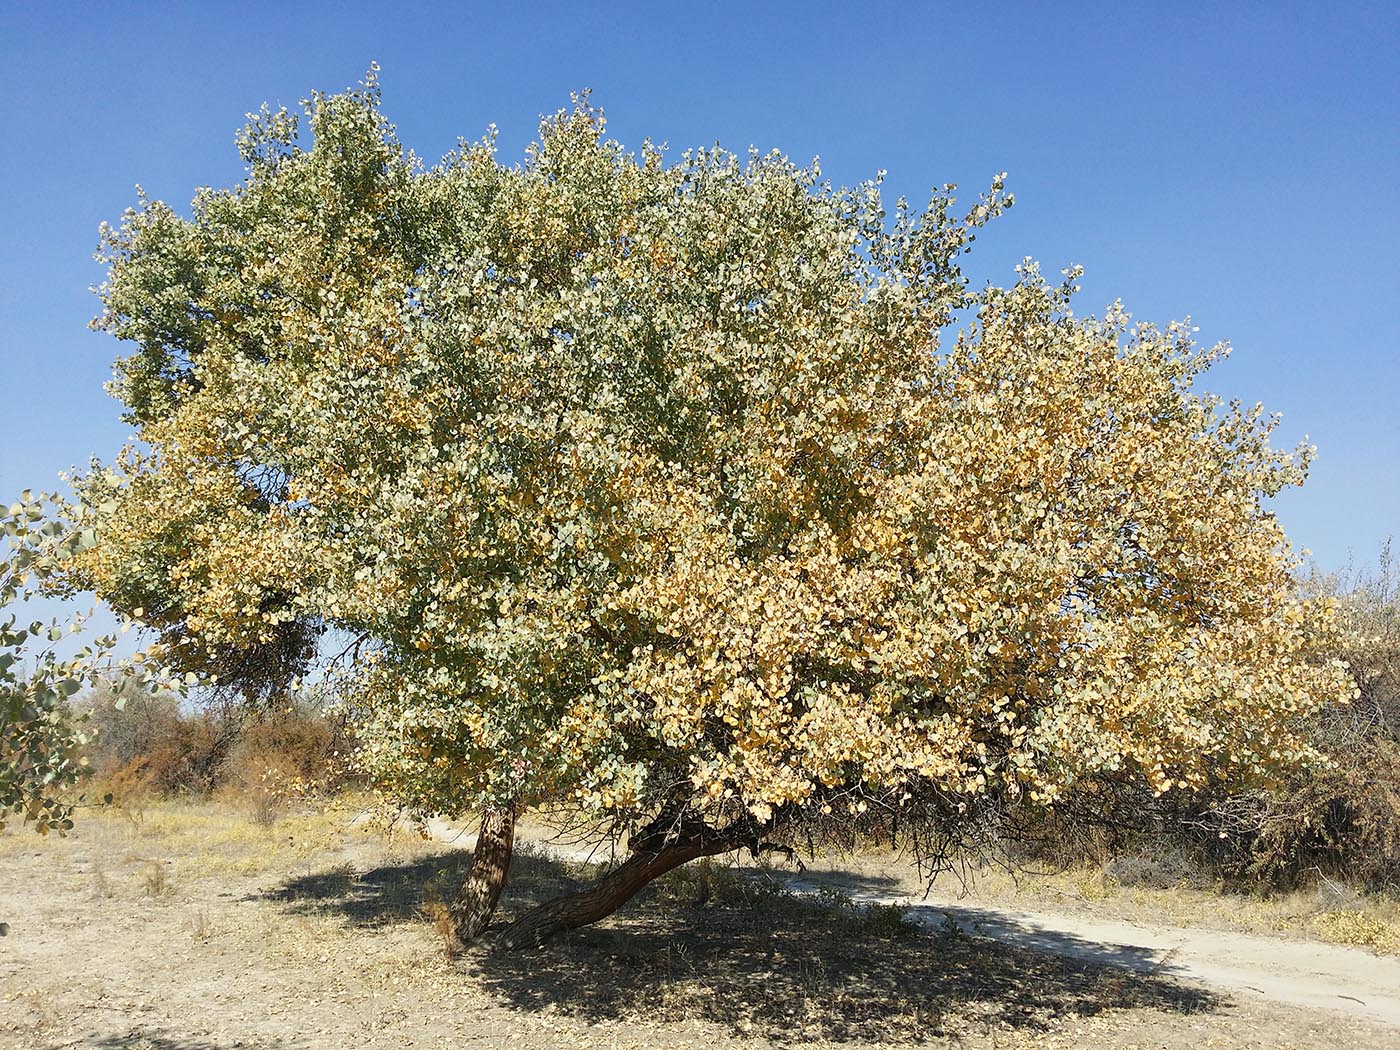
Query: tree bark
611	891
471	911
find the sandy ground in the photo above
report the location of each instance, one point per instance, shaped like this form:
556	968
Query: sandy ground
194	928
1292	971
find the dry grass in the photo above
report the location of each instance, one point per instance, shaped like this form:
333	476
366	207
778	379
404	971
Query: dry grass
102	887
1364	929
438	915
200	926
713	949
712	884
153	880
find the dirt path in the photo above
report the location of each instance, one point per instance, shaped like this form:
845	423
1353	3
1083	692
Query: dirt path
1300	973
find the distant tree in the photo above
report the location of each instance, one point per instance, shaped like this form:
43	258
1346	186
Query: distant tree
656	488
1368	604
127	724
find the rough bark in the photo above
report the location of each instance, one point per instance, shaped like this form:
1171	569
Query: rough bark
475	903
653	856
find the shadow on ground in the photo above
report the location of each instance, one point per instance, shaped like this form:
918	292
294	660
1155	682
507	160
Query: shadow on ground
761	961
143	1040
397	892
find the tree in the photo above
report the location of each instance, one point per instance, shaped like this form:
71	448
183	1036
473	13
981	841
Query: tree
1369	617
662	489
1341	818
41	736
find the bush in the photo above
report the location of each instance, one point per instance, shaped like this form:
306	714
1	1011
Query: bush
1342	820
144	741
146	744
286	756
190	758
127	723
1159	866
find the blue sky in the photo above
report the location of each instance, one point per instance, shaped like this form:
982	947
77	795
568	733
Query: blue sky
1234	162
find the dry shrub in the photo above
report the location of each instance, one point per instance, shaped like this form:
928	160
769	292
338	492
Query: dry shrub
300	747
128	724
1343	822
201	927
1158	866
285	757
189	757
146	745
1340	821
128	786
438	914
1105	818
153	880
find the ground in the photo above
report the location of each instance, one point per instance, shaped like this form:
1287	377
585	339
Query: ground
187	927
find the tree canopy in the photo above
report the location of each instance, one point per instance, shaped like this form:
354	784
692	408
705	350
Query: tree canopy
663	484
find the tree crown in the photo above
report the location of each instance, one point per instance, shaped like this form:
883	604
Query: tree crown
646	483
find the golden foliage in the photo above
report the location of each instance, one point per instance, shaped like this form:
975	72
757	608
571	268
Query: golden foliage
643	479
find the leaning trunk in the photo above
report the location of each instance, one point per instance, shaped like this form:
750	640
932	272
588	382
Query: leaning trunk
608	893
471	912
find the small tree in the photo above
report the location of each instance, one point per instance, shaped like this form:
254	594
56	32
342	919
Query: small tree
1368	605
41	736
656	489
1341	818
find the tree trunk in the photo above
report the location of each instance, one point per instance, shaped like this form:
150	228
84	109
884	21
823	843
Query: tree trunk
471	912
609	892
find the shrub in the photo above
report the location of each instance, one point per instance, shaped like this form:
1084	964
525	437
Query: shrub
285	756
146	744
190	758
298	746
1342	819
127	725
1343	822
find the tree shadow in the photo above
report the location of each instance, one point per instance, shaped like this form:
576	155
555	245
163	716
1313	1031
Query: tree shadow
397	892
986	922
749	955
141	1039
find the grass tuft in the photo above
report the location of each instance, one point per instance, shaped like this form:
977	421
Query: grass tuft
153	880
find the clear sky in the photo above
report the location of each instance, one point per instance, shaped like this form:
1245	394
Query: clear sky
1237	162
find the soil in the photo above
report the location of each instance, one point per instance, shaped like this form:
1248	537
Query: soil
193	927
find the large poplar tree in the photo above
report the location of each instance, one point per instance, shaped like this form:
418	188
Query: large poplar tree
664	487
